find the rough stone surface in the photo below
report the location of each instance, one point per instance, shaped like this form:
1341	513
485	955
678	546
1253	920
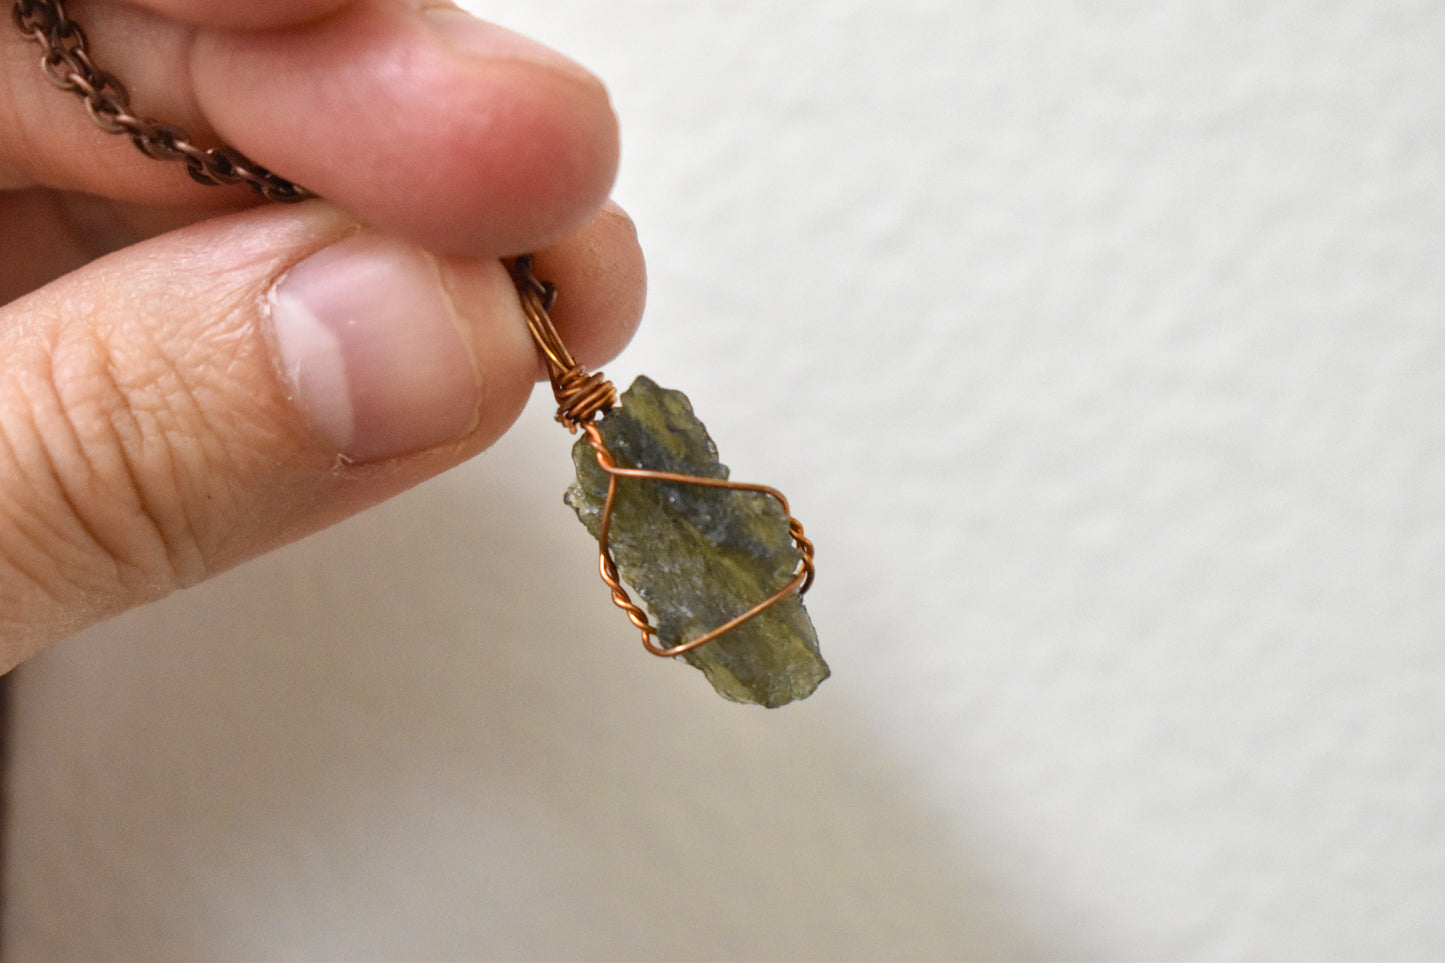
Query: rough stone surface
699	556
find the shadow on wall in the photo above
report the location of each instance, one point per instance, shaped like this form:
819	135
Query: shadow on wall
427	735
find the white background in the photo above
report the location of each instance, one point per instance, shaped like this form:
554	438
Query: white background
1100	347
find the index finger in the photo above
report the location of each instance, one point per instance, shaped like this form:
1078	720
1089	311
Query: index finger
432	124
435	124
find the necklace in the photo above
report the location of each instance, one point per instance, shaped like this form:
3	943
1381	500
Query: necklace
722	565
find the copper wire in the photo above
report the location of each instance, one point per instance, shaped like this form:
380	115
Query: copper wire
581	397
802	580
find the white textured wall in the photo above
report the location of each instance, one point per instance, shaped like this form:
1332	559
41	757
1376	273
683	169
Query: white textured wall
1101	346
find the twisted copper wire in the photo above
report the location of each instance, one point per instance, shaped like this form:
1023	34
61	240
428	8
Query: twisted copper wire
581	397
802	580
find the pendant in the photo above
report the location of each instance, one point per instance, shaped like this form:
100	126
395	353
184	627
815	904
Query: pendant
721	565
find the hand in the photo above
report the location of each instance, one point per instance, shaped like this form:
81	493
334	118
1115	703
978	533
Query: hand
215	376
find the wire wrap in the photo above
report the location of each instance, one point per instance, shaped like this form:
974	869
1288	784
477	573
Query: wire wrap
582	396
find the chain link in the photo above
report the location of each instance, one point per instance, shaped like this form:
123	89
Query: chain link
66	61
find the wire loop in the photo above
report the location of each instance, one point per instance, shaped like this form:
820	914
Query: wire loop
581	396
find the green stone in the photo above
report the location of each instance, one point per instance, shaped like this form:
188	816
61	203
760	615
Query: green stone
696	556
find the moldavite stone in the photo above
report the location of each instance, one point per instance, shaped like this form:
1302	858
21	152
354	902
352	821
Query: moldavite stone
698	557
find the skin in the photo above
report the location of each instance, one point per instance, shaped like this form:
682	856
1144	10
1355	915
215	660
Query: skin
146	441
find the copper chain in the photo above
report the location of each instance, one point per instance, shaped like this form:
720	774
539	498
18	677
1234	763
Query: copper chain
66	60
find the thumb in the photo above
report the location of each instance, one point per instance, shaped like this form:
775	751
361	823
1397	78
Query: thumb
197	399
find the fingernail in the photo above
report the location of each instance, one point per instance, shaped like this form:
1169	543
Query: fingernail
372	351
477	36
